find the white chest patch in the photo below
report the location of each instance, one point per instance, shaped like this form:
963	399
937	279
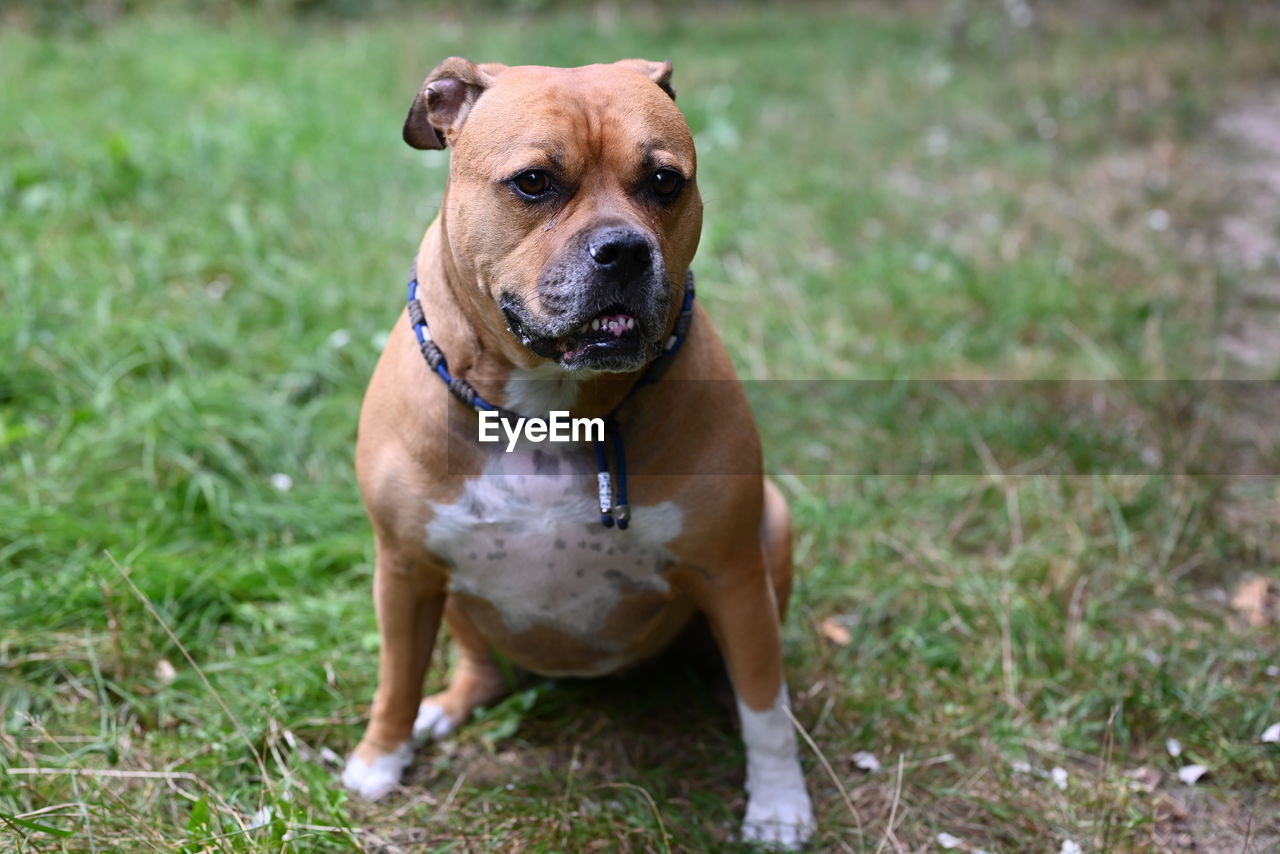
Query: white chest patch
526	536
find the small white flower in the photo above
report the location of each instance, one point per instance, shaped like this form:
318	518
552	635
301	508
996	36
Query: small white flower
1190	774
1158	220
1021	766
1272	670
165	671
218	288
1173	746
866	761
329	756
1059	777
1271	735
946	840
260	819
339	338
281	482
1070	847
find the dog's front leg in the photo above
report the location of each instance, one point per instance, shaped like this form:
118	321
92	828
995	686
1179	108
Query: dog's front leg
409	600
743	613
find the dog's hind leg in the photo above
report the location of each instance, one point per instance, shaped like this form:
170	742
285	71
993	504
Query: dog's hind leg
775	535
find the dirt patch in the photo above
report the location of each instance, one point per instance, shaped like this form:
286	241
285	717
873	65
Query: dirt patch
1242	156
1245	153
1195	820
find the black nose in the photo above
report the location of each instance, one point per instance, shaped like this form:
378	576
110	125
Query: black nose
621	251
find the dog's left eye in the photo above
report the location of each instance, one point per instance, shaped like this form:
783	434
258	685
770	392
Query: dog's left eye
535	182
666	183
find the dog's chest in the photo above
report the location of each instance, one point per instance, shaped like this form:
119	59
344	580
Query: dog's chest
525	537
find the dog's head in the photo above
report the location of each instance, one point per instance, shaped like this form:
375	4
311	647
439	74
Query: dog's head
572	203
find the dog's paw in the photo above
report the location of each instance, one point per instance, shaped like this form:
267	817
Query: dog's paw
779	817
432	722
373	780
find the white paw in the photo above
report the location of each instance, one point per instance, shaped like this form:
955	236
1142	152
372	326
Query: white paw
431	722
372	780
779	817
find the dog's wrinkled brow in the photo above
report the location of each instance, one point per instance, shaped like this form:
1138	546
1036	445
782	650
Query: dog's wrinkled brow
660	157
535	155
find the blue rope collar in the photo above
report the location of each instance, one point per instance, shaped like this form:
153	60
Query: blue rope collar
613	507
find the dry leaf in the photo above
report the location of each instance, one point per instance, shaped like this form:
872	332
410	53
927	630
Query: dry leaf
835	632
1145	779
1166	809
1257	600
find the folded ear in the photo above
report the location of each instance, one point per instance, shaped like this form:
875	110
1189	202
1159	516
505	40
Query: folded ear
658	72
444	100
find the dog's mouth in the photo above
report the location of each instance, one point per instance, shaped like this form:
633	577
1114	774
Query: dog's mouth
612	340
612	329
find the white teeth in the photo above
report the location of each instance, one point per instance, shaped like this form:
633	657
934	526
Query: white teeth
617	324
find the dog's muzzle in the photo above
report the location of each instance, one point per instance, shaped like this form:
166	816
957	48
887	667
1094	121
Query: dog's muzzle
604	301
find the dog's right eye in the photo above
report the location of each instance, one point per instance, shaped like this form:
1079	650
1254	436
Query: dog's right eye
533	183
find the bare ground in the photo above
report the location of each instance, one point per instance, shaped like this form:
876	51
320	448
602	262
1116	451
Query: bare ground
1246	154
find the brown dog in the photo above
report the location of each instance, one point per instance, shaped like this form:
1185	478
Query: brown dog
554	276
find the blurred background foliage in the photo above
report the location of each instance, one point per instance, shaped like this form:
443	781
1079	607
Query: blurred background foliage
958	15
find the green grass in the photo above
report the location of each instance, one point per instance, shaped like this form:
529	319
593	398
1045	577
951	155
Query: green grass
190	211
